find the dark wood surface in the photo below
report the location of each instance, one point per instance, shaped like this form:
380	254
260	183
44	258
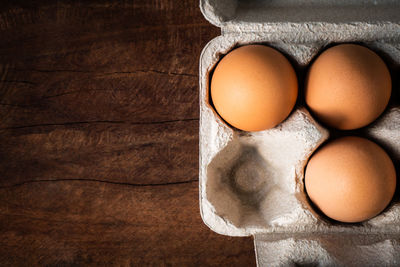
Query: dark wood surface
99	136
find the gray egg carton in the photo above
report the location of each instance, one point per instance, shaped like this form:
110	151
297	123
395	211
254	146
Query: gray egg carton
251	183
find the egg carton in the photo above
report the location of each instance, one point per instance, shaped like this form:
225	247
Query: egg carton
251	183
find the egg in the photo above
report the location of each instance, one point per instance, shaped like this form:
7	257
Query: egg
254	87
350	179
348	86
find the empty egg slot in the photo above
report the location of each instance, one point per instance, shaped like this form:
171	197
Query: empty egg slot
239	179
252	182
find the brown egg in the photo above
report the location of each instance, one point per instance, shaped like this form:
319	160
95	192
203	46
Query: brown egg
348	86
254	88
350	179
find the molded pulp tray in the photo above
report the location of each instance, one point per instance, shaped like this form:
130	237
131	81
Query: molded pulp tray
251	183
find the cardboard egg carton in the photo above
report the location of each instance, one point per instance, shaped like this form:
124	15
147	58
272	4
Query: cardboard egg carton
251	183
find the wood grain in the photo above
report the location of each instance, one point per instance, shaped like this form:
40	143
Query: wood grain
99	136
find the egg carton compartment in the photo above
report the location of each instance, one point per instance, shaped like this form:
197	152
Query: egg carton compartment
252	182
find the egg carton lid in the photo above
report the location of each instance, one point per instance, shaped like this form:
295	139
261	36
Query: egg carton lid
371	19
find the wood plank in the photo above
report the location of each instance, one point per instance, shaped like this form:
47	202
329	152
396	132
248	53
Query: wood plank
150	153
142	98
87	222
124	91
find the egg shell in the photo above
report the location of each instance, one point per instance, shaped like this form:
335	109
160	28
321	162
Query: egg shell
348	86
350	179
254	88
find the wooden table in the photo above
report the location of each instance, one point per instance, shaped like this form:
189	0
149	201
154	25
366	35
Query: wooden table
99	136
